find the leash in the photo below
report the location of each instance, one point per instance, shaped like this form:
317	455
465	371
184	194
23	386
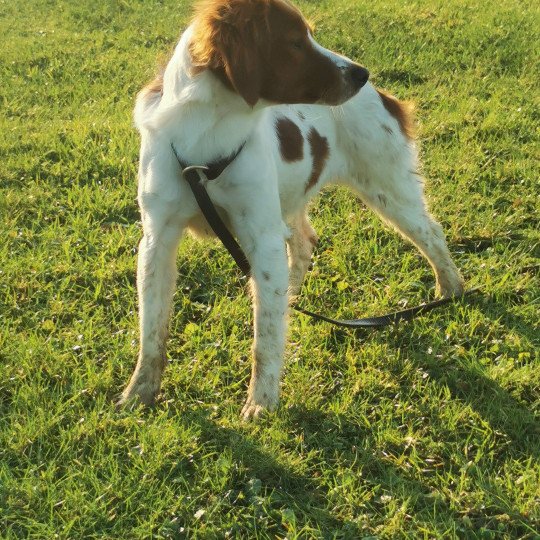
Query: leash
197	175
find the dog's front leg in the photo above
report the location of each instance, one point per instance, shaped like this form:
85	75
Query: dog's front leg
156	276
255	214
269	286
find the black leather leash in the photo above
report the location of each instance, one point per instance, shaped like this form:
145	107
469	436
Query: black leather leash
196	175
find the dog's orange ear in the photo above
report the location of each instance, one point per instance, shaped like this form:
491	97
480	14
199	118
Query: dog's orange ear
226	39
242	63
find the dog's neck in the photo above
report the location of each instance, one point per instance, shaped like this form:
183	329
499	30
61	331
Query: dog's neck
203	118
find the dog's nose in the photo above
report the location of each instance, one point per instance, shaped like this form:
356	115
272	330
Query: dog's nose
359	76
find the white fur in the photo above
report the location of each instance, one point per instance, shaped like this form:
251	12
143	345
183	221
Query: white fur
265	201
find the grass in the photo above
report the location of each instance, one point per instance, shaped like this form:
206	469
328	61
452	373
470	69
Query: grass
426	430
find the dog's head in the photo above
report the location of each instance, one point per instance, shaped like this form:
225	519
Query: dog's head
263	49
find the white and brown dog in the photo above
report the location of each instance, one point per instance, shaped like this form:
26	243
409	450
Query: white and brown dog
248	74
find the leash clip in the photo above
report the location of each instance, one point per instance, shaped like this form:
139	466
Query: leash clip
199	170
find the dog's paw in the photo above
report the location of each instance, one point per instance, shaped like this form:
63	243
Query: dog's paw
138	394
256	407
450	289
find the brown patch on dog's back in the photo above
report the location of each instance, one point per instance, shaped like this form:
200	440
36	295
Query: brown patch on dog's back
401	111
291	142
319	151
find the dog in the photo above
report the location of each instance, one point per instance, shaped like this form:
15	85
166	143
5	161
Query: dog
247	79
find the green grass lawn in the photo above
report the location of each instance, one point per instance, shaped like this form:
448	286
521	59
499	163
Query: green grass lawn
426	430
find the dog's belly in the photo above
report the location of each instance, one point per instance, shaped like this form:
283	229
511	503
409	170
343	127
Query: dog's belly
198	225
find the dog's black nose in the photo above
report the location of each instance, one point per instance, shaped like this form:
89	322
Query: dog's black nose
359	76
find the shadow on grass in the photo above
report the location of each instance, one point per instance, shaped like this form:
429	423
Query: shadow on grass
334	434
467	382
347	460
265	482
516	434
466	378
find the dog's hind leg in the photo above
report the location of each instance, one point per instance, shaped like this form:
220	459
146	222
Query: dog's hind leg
398	199
301	243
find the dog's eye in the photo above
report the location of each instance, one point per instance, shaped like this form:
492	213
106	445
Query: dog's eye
297	44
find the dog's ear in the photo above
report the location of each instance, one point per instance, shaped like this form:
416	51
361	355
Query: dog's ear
242	62
229	39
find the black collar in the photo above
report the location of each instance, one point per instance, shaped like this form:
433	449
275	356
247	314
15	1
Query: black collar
215	167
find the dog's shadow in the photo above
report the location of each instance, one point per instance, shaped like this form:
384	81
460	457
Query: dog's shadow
345	447
505	410
345	453
263	481
360	453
